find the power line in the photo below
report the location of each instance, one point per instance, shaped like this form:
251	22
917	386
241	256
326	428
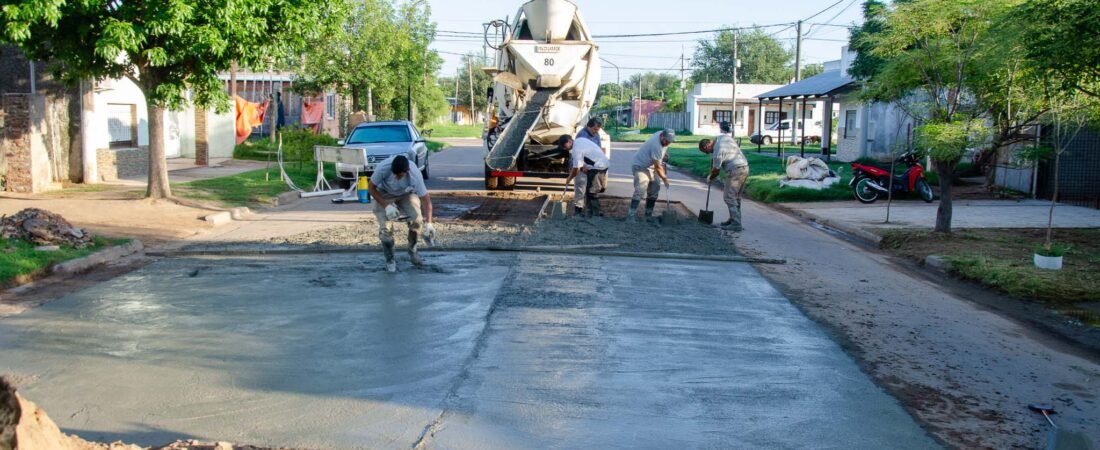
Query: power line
680	33
822	11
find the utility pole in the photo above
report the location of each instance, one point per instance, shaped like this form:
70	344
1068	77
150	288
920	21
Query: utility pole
733	96
795	123
470	73
683	85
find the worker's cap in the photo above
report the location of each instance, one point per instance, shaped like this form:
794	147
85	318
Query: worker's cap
669	134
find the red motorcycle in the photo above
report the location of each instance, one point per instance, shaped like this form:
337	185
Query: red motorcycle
869	182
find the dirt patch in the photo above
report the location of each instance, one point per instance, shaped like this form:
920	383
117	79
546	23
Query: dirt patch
1002	259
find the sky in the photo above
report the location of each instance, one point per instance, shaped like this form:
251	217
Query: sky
659	54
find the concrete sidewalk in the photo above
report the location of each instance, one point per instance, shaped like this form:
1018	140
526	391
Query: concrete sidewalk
860	219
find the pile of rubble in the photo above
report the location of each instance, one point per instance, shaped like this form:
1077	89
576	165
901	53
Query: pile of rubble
43	228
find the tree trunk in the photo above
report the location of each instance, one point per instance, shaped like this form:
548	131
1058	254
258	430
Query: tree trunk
355	106
158	166
946	173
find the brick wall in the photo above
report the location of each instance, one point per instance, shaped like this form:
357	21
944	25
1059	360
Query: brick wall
15	144
115	163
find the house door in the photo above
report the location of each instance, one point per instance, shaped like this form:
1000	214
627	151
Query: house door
752	121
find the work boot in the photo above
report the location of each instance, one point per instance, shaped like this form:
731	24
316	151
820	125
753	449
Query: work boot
413	255
650	203
594	207
734	224
578	212
632	213
387	250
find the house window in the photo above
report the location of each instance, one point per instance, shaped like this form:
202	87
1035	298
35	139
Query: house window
849	123
722	116
771	117
330	106
122	124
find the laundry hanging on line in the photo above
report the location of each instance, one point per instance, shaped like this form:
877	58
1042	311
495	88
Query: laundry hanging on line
249	116
312	111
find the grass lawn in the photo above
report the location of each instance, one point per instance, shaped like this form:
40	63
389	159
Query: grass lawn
19	262
764	174
447	130
1002	259
254	188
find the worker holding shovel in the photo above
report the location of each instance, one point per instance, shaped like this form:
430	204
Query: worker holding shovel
649	172
587	164
727	156
398	190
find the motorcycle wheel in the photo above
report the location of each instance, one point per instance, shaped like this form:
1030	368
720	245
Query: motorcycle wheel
924	190
863	191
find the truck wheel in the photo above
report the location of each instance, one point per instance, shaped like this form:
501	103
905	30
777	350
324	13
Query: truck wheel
508	183
491	182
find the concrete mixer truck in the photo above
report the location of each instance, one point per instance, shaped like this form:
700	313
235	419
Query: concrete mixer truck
544	83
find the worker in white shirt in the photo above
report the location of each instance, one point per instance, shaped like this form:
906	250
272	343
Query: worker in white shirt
649	172
587	164
593	131
727	156
398	190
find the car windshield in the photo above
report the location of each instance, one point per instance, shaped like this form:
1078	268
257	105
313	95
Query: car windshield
380	133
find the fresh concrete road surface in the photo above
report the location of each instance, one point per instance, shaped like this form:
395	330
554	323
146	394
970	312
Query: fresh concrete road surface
478	351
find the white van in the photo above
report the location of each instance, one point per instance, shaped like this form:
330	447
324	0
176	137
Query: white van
771	133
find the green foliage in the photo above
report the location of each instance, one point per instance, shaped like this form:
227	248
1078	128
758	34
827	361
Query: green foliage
446	130
948	142
254	188
653	86
297	146
1051	250
378	52
862	41
19	258
763	59
1057	40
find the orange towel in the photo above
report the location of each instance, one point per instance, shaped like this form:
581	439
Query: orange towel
249	116
312	112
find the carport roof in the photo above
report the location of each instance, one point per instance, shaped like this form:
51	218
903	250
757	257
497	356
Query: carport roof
820	85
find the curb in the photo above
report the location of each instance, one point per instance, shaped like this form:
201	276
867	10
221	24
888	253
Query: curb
937	264
97	258
287	198
854	232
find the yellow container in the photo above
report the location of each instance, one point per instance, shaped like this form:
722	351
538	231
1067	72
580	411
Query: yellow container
364	189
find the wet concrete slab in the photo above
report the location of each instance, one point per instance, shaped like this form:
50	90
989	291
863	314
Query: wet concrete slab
478	351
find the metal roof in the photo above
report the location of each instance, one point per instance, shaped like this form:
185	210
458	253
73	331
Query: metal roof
825	83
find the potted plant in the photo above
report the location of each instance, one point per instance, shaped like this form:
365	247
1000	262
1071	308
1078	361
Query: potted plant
1049	256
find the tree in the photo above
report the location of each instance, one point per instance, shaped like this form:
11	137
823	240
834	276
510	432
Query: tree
166	48
481	82
810	70
763	59
927	52
353	59
1058	40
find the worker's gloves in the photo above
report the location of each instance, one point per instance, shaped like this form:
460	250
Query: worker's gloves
429	231
391	212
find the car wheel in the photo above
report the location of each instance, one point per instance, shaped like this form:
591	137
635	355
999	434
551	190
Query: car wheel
424	171
767	140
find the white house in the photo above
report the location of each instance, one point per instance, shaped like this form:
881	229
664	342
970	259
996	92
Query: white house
710	104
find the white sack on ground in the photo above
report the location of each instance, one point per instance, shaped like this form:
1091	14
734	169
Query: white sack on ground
809	173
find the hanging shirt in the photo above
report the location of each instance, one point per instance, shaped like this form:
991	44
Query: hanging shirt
727	154
391	187
585	153
651	151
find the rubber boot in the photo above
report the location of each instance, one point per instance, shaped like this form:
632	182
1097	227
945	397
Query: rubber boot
632	213
413	255
594	206
391	263
650	203
734	224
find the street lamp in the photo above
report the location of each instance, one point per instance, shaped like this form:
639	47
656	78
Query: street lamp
619	106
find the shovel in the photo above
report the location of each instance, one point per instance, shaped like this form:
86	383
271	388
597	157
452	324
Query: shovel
706	216
1058	438
560	208
669	217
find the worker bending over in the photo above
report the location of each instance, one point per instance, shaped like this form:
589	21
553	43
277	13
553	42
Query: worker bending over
727	156
593	131
398	190
587	165
648	167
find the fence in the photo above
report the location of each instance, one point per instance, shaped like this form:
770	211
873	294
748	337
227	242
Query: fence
680	121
